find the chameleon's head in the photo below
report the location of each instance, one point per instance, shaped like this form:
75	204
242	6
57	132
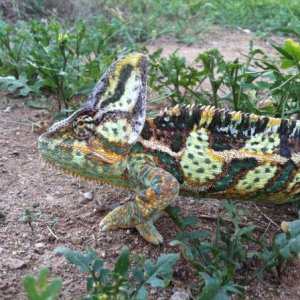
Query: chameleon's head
94	141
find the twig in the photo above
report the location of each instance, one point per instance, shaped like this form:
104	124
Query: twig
268	218
214	218
52	233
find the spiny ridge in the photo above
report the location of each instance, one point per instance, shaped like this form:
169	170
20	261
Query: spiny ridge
223	120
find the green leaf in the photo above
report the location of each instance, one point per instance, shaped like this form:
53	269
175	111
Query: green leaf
122	263
157	275
53	289
37	104
163	268
216	289
141	294
13	85
292	48
29	286
79	260
39	288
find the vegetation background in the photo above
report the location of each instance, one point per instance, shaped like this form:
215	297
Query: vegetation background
51	55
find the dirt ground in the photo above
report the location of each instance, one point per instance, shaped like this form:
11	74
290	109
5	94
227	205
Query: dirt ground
59	204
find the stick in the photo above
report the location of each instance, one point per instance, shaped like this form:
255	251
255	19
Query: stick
52	233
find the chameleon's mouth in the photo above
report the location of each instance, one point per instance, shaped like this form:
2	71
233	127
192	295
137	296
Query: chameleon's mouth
78	159
66	158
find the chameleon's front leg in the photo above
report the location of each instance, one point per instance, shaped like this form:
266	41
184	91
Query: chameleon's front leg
158	189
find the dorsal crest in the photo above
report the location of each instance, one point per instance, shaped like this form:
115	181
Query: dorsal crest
222	120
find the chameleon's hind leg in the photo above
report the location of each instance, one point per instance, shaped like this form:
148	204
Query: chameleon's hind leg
157	189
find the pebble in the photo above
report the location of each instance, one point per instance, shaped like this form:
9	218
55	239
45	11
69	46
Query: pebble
88	196
180	295
35	205
39	245
2	215
15	263
1	250
76	240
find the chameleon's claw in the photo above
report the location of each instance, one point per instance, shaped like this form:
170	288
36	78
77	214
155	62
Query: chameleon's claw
120	217
150	233
103	227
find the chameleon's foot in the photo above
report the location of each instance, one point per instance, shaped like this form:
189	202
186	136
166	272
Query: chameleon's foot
120	217
150	233
123	217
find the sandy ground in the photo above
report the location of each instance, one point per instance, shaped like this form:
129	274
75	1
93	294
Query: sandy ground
57	201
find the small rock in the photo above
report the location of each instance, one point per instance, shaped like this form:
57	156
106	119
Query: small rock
103	254
2	215
76	240
15	263
39	245
35	205
1	250
180	295
7	109
152	292
39	248
100	207
88	196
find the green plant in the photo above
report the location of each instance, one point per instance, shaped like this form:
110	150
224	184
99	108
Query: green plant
260	85
175	77
28	217
218	262
284	248
39	288
128	278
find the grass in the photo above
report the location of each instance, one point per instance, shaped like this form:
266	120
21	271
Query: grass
183	19
42	59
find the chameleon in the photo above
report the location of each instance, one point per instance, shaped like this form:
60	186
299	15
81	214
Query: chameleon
191	150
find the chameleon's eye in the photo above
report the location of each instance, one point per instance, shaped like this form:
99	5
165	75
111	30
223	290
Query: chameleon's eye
83	126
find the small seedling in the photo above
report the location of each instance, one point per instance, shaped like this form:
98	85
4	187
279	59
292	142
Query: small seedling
27	218
39	288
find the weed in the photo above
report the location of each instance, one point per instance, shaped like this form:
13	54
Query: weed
261	85
28	217
128	278
39	288
218	262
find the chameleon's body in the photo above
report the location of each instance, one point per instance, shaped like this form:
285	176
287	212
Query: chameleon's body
194	151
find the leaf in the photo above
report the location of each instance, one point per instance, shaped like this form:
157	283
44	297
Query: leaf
141	294
122	263
13	85
37	104
79	260
29	286
39	288
157	275
215	289
292	48
53	289
163	268
185	236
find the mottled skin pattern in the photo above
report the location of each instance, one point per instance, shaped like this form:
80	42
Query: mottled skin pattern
192	150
